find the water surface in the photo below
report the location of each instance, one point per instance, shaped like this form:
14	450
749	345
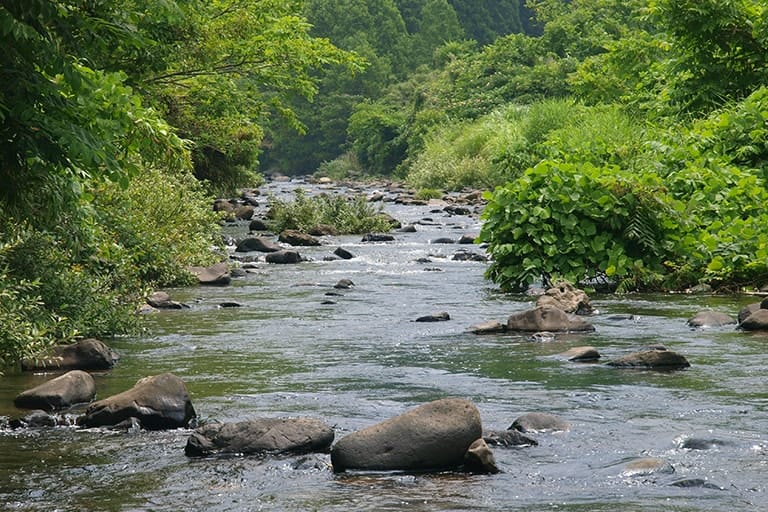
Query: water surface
363	359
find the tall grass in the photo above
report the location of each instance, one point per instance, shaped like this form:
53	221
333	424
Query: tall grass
347	215
500	146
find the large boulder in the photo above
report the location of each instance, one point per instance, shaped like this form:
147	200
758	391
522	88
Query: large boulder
257	243
158	402
547	318
706	319
747	310
87	354
297	238
261	435
432	436
73	387
757	321
651	359
283	257
216	275
567	297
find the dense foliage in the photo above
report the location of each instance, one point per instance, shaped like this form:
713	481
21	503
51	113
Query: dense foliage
106	108
651	113
621	141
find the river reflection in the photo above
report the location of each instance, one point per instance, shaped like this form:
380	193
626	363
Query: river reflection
363	359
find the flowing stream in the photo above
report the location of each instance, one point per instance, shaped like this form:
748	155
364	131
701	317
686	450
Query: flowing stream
362	359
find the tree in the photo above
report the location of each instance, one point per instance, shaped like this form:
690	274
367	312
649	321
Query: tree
718	49
486	20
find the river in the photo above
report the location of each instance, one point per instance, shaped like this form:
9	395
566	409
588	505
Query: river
361	359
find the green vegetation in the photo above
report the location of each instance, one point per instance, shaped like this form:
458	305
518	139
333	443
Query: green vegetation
346	215
622	141
116	118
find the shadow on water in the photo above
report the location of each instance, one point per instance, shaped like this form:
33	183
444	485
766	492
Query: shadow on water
352	357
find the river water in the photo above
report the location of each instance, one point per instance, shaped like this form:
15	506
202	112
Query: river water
363	359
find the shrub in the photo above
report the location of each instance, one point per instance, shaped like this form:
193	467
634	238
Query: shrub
697	224
162	223
347	215
578	221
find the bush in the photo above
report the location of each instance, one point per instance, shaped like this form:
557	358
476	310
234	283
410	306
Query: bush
61	293
697	224
162	223
355	215
577	222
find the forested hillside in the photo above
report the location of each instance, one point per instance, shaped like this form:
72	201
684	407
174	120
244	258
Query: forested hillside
624	142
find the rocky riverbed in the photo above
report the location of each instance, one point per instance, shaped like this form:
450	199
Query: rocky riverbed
347	343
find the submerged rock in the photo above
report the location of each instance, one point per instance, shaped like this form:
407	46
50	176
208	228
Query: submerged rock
581	354
489	327
261	435
433	436
344	284
646	466
88	354
443	316
158	402
698	483
540	422
73	387
377	237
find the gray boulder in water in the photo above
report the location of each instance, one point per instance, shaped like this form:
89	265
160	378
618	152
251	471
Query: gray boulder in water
757	321
256	243
547	318
261	435
297	238
433	436
73	387
710	319
158	402
216	274
283	257
88	354
651	359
